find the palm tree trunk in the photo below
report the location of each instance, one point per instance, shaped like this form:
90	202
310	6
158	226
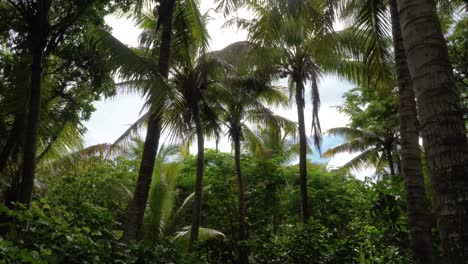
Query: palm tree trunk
136	209
196	212
442	127
243	251
391	164
419	219
302	150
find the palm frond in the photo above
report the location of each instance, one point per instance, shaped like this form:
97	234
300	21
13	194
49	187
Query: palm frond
124	140
181	238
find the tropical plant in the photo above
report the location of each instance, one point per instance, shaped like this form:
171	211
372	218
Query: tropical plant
147	70
44	32
190	112
458	52
271	149
292	39
372	129
241	99
376	148
159	220
441	117
373	22
136	208
161	217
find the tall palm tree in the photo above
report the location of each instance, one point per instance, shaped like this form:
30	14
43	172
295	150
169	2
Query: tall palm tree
373	21
169	30
416	201
190	113
136	209
292	38
442	127
241	100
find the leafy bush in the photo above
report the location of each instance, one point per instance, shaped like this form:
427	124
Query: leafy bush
51	234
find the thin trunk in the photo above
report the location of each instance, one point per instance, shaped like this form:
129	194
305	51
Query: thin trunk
399	165
197	203
38	43
442	126
302	151
276	221
243	251
32	129
274	206
419	219
136	209
391	164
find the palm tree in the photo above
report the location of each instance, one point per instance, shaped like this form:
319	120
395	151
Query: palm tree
377	148
158	217
161	217
373	21
137	207
190	111
442	127
147	70
292	40
241	100
416	201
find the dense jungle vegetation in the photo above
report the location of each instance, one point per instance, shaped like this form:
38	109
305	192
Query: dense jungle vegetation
159	195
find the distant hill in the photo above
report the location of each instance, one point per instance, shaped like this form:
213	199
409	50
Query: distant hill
236	54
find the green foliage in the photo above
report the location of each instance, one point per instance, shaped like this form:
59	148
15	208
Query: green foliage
78	218
84	233
52	234
372	131
103	182
353	221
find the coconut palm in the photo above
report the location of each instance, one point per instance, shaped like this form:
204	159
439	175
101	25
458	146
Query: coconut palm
266	143
161	217
292	39
376	148
160	202
372	20
442	126
136	209
146	70
418	215
190	113
241	99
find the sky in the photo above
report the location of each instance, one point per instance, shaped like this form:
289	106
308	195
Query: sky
113	116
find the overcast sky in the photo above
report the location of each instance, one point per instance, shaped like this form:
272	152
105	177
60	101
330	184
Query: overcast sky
113	116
